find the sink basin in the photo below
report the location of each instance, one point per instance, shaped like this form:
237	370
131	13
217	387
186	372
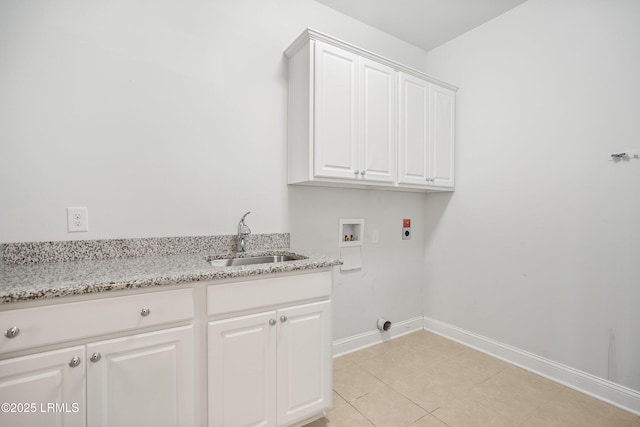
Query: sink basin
266	259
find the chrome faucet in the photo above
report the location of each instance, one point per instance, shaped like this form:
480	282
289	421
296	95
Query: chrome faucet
243	232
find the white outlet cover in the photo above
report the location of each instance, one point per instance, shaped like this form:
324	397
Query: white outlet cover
77	219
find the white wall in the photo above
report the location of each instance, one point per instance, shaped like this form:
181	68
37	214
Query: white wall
164	118
390	282
169	119
539	247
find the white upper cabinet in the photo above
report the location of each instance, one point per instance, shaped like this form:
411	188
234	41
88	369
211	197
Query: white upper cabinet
441	150
353	116
414	130
425	133
377	121
360	120
336	114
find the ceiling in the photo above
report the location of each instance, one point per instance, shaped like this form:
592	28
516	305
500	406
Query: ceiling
423	23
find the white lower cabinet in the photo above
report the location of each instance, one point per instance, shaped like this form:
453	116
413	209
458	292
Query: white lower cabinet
304	361
140	360
140	380
144	379
272	368
44	389
242	375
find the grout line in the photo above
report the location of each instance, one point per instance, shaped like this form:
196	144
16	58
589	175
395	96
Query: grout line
363	415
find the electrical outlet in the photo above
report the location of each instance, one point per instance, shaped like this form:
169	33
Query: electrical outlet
406	233
406	229
77	219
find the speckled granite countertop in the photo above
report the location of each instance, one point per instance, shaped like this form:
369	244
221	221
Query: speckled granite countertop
43	280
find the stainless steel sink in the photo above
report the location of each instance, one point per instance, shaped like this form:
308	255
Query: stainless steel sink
266	259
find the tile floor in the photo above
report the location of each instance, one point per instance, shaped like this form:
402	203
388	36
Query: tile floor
424	380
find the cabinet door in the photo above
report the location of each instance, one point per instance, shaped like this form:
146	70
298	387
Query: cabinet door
441	155
335	113
413	132
304	361
44	389
142	380
377	122
242	379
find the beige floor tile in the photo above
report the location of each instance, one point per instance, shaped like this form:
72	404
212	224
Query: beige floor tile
420	389
411	340
458	385
441	346
570	408
344	416
353	382
338	401
467	413
342	362
515	393
385	407
428	421
390	366
455	376
421	357
482	363
366	353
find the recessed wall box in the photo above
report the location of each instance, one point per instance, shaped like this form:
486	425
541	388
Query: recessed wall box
351	232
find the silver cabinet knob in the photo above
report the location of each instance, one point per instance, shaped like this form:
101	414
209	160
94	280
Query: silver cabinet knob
145	312
12	332
272	322
75	361
356	172
363	173
283	318
95	357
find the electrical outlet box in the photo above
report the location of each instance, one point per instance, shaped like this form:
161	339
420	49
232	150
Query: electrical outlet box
406	233
77	219
406	229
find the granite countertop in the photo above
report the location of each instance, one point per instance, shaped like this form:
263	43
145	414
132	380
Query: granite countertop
51	280
30	281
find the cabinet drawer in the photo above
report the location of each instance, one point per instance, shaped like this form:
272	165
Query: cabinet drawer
256	294
63	322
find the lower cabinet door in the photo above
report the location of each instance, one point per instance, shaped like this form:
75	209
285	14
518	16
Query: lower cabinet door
44	389
242	360
304	361
142	380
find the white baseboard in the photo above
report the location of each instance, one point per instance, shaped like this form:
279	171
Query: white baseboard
623	397
373	337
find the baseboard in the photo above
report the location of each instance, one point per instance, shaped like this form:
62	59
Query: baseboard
373	337
623	397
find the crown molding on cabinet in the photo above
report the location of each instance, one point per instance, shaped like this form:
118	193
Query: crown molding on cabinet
311	34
